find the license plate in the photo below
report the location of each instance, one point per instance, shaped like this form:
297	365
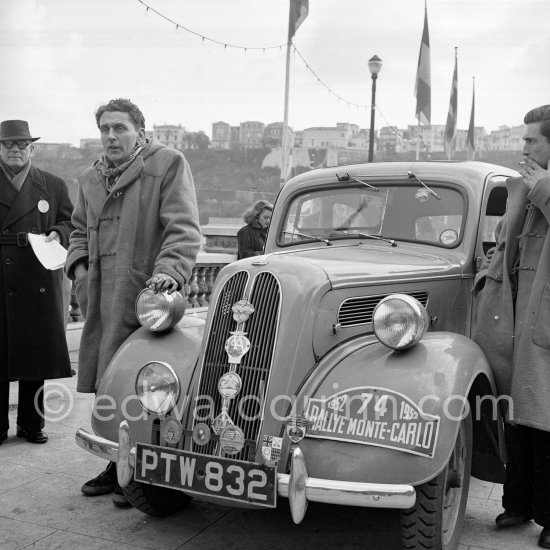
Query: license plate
198	474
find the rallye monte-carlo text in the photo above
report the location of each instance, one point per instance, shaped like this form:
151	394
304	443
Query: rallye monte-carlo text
336	367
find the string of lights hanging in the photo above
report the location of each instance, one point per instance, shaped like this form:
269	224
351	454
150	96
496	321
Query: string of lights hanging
206	38
249	48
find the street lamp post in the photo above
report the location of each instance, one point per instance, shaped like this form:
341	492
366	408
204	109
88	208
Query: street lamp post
375	64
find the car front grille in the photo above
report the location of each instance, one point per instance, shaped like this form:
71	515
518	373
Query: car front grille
359	310
246	409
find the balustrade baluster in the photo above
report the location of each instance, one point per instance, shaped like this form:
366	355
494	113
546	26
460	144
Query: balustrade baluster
201	282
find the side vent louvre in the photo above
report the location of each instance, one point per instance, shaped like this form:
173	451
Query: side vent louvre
358	311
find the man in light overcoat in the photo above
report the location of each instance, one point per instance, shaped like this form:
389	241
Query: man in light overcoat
136	225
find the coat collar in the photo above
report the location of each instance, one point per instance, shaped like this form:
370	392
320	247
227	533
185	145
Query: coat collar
33	190
129	175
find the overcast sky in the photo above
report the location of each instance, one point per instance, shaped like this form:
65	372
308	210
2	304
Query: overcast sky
61	59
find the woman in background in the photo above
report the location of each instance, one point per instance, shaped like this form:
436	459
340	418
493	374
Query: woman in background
251	238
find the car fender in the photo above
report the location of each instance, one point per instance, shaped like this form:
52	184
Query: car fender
437	374
116	398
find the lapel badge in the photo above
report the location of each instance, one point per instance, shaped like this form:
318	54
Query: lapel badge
43	206
242	310
221	422
232	440
229	385
236	346
271	449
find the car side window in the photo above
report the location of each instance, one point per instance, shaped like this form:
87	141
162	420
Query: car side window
496	207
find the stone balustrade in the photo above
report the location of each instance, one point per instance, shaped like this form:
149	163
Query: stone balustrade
197	290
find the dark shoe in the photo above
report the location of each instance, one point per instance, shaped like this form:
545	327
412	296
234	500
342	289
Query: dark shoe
103	484
32	437
119	499
544	539
73	372
3	437
512	519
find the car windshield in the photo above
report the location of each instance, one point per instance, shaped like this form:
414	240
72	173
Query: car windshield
397	212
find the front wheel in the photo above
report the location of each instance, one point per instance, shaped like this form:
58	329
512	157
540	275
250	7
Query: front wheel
155	501
435	521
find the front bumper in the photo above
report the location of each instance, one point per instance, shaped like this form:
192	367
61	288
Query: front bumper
297	486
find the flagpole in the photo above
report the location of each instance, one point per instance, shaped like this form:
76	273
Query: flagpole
471	127
418	140
284	141
422	89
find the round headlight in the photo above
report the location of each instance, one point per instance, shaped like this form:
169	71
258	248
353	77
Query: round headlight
157	387
158	311
399	321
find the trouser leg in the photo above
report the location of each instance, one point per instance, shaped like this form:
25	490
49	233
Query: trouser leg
541	492
30	409
4	406
519	470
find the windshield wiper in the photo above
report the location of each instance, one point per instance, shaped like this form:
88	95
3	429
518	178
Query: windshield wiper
326	241
413	176
354	215
368	236
347	177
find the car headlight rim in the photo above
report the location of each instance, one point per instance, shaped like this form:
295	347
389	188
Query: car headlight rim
166	405
400	321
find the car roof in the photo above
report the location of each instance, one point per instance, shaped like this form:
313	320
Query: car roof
469	173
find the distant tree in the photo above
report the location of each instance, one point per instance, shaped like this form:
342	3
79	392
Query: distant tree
202	141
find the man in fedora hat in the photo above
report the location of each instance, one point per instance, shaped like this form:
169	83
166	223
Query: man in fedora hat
33	346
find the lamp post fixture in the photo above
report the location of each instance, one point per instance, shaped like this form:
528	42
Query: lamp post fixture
375	64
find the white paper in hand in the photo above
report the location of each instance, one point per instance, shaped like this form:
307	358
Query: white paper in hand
51	254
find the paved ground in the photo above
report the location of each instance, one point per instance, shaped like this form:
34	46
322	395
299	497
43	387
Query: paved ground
41	506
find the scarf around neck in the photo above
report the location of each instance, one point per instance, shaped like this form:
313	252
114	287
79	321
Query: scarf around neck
111	174
16	178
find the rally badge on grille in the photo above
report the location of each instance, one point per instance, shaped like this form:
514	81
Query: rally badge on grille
242	310
236	346
201	434
232	440
171	430
221	422
271	449
229	385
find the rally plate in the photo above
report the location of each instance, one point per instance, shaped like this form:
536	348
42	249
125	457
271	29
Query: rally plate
375	416
236	480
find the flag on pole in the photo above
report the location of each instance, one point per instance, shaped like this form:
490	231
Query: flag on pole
298	12
450	127
471	128
423	87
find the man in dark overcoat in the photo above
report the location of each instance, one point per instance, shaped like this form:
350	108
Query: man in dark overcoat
136	225
513	328
33	346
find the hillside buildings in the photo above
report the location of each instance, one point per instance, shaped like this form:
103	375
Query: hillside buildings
343	142
344	135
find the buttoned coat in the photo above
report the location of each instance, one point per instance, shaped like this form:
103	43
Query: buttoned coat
147	224
521	368
33	345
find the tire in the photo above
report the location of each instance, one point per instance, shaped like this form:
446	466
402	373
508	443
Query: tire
435	522
155	501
